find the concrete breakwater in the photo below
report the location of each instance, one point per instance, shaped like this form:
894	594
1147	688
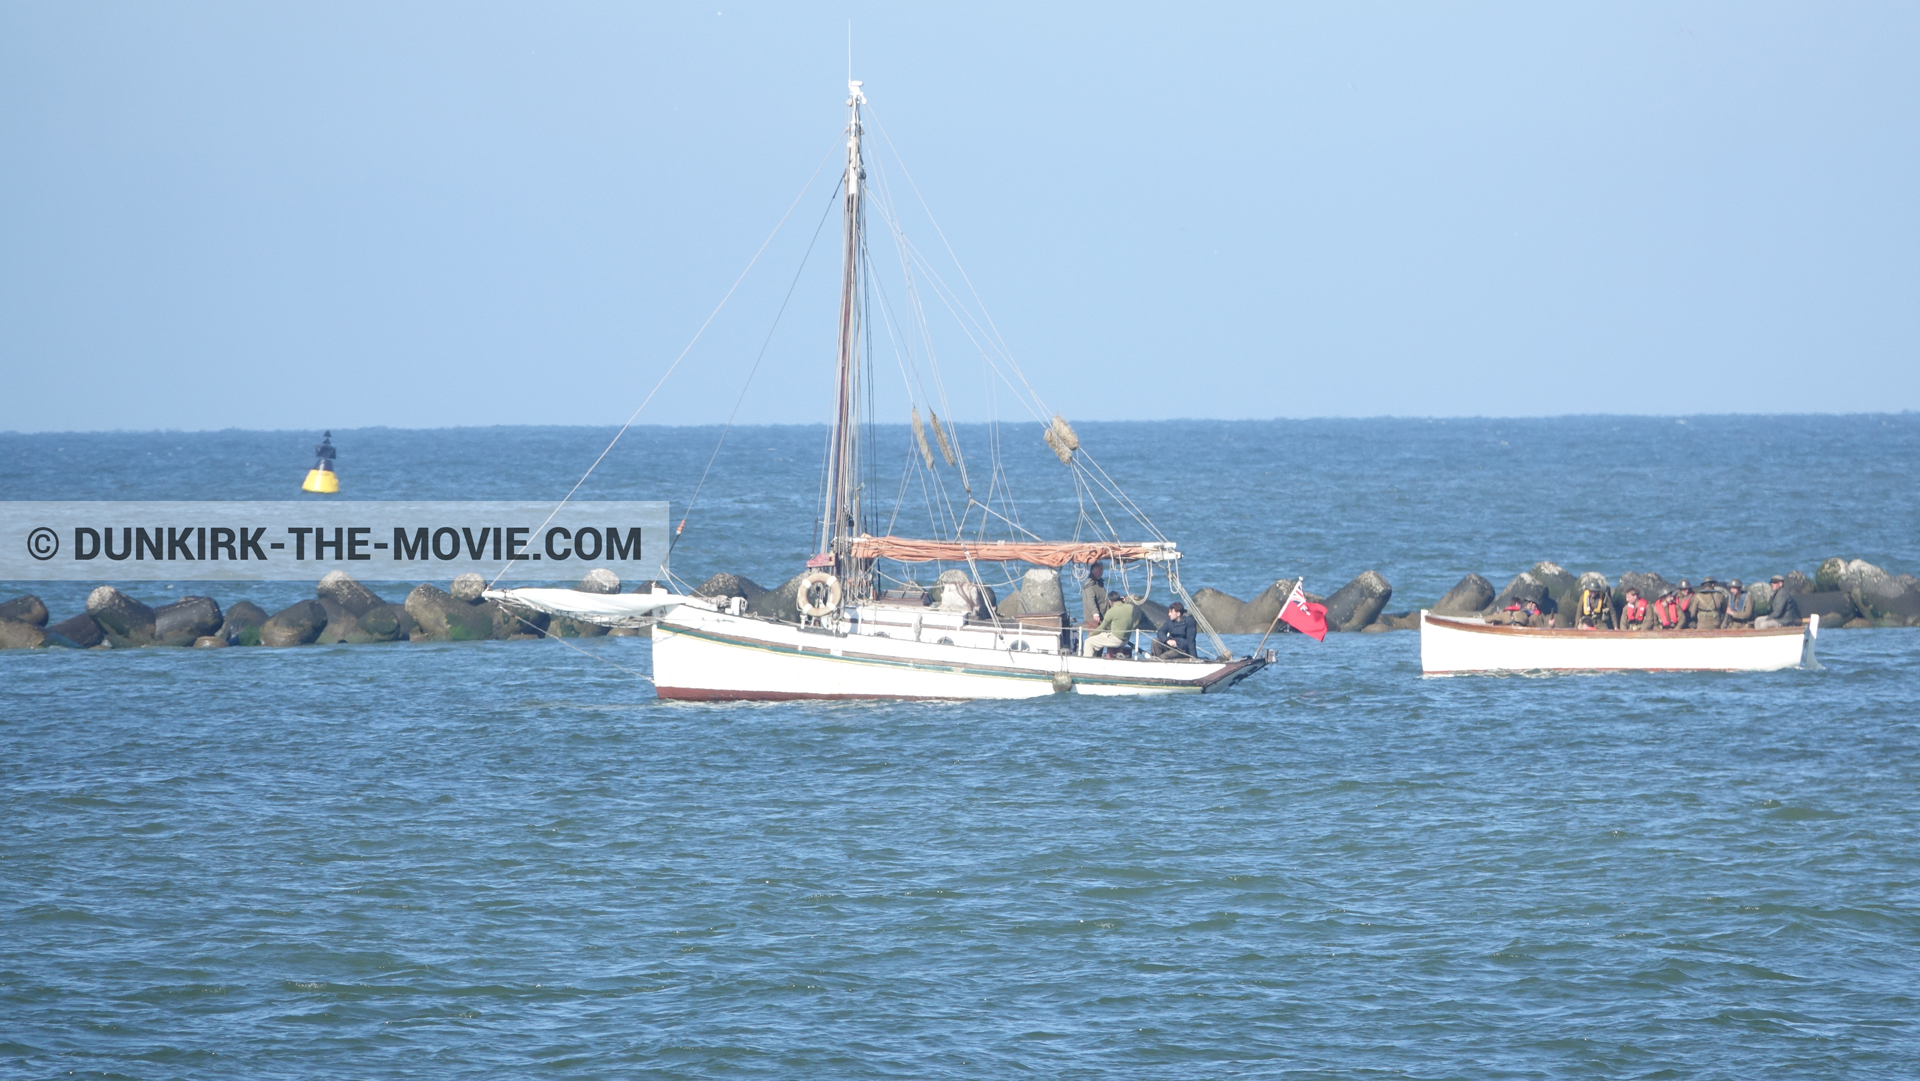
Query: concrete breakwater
341	611
1845	593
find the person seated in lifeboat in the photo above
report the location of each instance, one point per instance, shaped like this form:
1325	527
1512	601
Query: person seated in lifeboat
1683	602
1668	613
1738	615
1535	615
1110	639
1707	606
1176	636
1636	614
1594	612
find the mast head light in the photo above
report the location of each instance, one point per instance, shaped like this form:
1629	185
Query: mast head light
854	96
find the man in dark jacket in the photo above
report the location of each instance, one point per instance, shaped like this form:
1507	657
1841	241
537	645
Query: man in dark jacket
1175	639
1093	595
1786	608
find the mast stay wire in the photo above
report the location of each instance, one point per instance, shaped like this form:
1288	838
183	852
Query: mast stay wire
687	510
963	317
671	368
889	213
991	330
998	340
903	354
1090	478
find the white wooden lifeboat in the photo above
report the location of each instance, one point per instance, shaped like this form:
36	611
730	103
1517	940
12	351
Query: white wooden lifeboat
1449	645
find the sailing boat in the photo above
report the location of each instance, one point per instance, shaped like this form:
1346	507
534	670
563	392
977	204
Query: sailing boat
847	637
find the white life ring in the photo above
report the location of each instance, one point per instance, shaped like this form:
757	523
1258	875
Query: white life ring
818	578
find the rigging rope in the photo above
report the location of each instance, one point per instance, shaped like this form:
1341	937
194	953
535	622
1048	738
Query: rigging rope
687	510
671	368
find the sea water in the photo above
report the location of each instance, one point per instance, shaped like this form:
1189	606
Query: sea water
509	859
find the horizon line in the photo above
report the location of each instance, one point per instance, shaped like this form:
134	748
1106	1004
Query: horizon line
1681	417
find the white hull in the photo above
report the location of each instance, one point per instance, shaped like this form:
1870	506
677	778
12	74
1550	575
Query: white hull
699	653
1455	645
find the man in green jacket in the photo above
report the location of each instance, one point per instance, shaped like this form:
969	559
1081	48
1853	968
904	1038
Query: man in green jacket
1112	634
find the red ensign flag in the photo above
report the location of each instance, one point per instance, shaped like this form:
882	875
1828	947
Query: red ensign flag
1304	616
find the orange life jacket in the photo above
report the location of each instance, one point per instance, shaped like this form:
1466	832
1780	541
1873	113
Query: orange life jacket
1634	611
1668	609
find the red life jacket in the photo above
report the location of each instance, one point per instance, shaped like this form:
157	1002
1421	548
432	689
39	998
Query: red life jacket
1668	609
1635	610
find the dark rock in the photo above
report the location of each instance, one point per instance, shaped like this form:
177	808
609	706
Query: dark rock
778	603
341	589
1469	598
298	624
127	622
1359	602
1147	615
387	623
381	623
1223	611
1798	583
81	630
1523	587
468	588
599	580
956	591
564	627
243	623
1563	589
1762	594
26	608
179	623
517	623
19	634
442	617
1903	609
1878	595
1857	623
209	641
1376	627
1264	608
1827	579
512	620
730	585
342	625
1651	586
1593	580
1833	607
1405	621
1039	595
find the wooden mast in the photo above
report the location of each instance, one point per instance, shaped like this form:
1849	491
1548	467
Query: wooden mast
842	516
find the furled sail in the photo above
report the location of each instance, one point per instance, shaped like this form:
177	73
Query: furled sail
1042	553
605	609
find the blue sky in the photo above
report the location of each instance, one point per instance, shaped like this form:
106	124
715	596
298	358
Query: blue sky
267	216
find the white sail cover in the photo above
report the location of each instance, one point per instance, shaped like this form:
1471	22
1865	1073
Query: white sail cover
605	609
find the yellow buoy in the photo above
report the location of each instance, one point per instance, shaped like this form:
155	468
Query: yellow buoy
321	477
